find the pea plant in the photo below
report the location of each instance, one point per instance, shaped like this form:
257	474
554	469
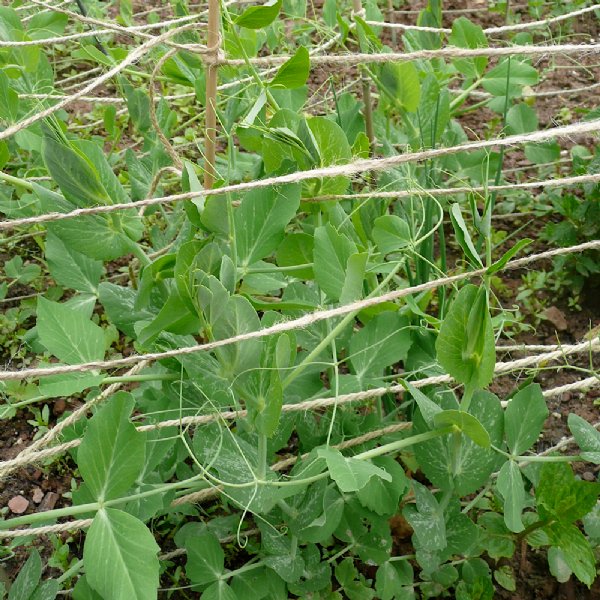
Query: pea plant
281	380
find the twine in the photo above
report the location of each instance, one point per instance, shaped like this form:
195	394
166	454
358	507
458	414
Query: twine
349	169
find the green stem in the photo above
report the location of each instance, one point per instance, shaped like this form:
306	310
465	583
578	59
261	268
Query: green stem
533	527
71	571
464	95
262	456
16	181
244	569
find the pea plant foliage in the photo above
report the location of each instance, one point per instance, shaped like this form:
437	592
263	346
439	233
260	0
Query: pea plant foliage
356	456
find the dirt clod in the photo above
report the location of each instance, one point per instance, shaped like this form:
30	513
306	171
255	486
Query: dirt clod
37	495
18	504
49	501
556	317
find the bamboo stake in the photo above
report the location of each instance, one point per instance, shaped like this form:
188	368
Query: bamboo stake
214	23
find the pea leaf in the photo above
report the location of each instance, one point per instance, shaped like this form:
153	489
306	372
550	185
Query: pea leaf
257	17
524	418
521	74
27	579
350	474
501	262
67	334
261	219
391	233
294	72
383	497
453	342
463	237
427	519
469	35
586	436
510	485
466	423
401	81
427	407
330	257
120	557
112	451
205	558
521	118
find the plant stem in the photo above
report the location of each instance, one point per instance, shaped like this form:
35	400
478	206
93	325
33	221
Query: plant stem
16	181
262	456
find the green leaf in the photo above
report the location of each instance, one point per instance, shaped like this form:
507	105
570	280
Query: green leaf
524	418
426	517
559	565
453	342
382	342
257	17
261	219
390	579
521	74
68	334
466	423
72	269
521	118
469	35
219	591
330	257
27	579
9	100
586	436
510	485
474	464
575	549
427	407
391	233
352	289
297	249
76	178
120	557
561	497
401	81
205	558
383	497
111	455
463	237
350	474
294	72
501	263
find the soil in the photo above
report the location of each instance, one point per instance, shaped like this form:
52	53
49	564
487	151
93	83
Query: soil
533	579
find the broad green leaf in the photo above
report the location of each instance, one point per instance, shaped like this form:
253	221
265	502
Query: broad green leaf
383	497
69	384
426	517
318	528
68	334
297	249
330	257
382	342
521	118
542	152
261	219
559	565
463	237
120	557
219	591
524	418
587	437
432	116
453	342
560	496
27	579
9	100
350	474
112	451
70	268
257	17
510	485
474	464
119	305
427	407
46	24
466	423
469	35
390	579
575	549
501	262
78	181
352	289
205	559
294	72
401	81
237	317
519	74
391	233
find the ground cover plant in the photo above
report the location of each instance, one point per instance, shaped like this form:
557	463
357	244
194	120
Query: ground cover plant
273	278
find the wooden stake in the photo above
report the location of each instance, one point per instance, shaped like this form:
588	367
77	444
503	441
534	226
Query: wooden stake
214	25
